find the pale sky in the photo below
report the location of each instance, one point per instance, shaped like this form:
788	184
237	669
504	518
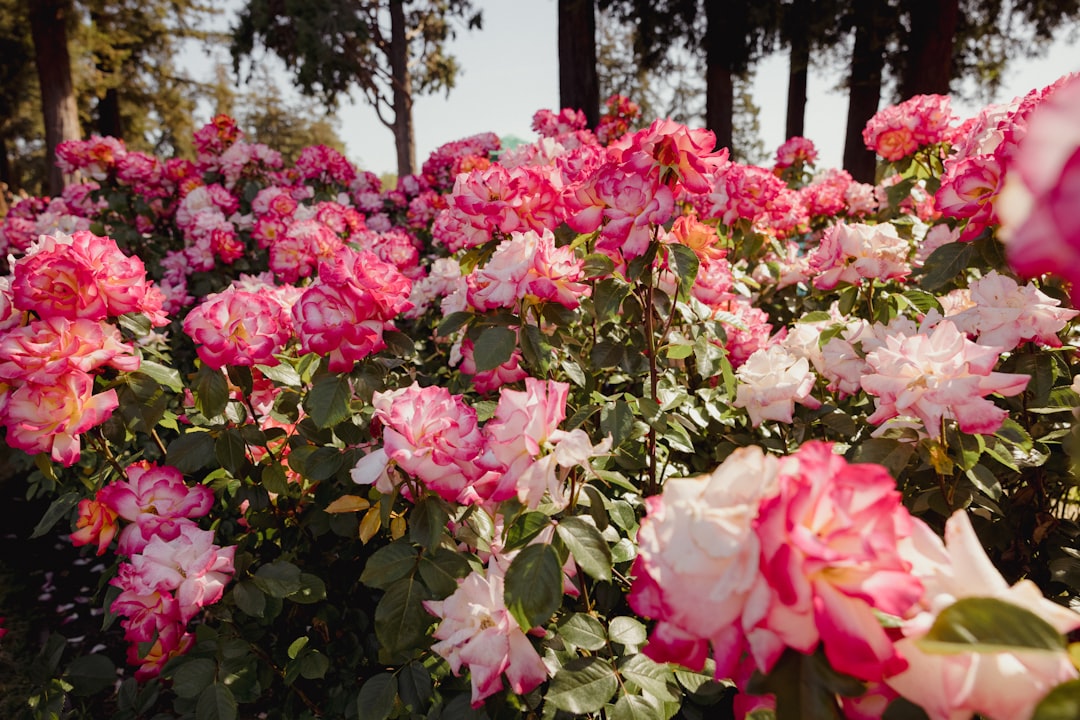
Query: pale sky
510	70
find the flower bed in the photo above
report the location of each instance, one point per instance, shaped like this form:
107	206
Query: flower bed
604	425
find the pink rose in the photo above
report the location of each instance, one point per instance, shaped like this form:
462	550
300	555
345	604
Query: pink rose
939	375
698	557
1002	685
477	631
235	327
829	555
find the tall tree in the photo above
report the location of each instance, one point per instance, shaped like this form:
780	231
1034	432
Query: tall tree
928	66
579	86
727	35
386	48
48	26
864	85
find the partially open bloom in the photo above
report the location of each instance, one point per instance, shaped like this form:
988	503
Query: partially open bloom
939	375
698	556
771	381
1004	314
899	130
478	632
96	524
997	685
851	253
235	327
830	556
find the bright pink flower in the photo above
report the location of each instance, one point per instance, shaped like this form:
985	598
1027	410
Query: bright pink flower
1002	685
145	614
526	427
829	555
939	375
672	154
969	189
190	565
796	150
478	632
151	496
234	327
172	641
900	130
626	202
1037	207
851	253
433	435
698	556
96	524
50	418
303	246
741	192
344	312
45	349
826	194
555	272
83	276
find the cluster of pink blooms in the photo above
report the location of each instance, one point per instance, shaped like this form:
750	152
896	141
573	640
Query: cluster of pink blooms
32	217
766	554
620	114
527	264
434	437
344	312
900	130
57	332
551	124
447	161
856	252
173	568
795	151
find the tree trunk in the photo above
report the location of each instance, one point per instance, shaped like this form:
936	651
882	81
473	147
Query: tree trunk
109	121
725	36
404	138
798	68
867	63
929	66
61	115
579	85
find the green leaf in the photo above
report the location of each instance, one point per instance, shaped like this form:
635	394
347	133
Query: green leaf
166	376
59	508
389	564
191	452
282	374
90	674
587	545
249	598
583	685
526	527
193	677
328	401
279	579
626	630
377	695
216	703
1061	703
312	590
493	347
986	625
686	267
653	678
313	665
452	322
583	631
637	707
597	265
211	391
401	621
231	451
273	478
323	464
427	523
946	263
893	454
533	586
414	687
617	420
607	297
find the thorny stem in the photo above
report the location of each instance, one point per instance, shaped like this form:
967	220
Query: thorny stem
650	344
281	673
103	447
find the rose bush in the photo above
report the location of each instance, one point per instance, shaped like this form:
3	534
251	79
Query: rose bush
608	425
